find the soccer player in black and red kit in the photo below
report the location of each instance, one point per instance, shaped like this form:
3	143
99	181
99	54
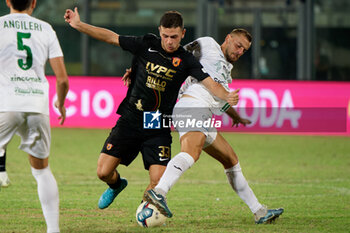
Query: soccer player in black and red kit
159	67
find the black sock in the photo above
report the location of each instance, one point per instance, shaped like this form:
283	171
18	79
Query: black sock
116	184
3	163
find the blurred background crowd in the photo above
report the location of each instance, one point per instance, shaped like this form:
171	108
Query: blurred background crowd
292	39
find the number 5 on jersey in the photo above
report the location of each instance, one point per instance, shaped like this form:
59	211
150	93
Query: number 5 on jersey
20	46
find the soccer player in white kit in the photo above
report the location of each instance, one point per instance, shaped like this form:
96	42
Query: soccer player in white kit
197	103
26	43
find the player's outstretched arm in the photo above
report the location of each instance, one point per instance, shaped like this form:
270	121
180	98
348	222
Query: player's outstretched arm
219	91
62	85
108	36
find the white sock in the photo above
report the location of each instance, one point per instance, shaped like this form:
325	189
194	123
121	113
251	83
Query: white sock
241	187
175	168
48	196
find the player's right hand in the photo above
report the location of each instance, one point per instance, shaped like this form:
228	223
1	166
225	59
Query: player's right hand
233	97
72	17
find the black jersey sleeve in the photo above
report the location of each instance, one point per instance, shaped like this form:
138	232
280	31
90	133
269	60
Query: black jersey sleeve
134	43
131	43
195	69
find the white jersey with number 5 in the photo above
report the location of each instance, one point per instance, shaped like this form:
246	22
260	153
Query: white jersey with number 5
210	55
25	45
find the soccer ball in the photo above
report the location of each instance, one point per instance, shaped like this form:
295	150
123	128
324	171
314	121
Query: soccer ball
147	215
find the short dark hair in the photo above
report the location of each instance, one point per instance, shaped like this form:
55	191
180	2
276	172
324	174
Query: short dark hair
172	19
21	5
242	32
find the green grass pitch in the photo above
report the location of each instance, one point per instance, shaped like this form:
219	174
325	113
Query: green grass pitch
307	175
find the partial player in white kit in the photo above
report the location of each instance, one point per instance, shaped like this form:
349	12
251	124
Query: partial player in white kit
197	103
26	43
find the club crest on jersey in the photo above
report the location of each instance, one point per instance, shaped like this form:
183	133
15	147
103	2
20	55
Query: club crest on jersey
109	146
176	61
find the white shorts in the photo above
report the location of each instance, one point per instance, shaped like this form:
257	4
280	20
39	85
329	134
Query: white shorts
190	110
33	128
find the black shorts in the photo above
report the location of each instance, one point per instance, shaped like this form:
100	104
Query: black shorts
126	140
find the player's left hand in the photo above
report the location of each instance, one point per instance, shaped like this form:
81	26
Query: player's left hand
126	77
62	111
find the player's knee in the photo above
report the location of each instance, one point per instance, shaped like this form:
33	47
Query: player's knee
192	147
102	175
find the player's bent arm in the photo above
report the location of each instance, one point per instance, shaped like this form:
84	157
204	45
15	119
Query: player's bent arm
215	88
219	91
62	83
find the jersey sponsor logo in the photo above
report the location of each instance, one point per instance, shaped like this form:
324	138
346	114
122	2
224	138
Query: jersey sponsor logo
28	91
16	78
219	81
151	120
109	146
156	84
176	61
158	70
